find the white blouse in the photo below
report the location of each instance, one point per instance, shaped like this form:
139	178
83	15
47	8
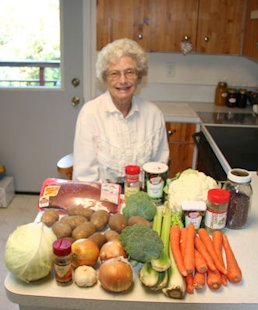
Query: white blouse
105	142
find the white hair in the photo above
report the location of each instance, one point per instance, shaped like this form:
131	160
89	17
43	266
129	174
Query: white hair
113	51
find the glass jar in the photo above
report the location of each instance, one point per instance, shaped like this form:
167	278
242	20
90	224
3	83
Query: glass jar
239	185
132	180
242	98
232	98
155	177
221	94
62	249
217	205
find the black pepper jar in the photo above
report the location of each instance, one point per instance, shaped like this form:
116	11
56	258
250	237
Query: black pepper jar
242	99
239	185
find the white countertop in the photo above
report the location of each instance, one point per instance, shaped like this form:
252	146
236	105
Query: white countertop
46	294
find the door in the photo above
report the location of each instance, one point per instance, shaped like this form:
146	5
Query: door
37	125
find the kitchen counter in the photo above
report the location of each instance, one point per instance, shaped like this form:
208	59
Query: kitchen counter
46	294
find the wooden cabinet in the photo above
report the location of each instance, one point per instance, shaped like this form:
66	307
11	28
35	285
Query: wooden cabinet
250	48
181	146
213	26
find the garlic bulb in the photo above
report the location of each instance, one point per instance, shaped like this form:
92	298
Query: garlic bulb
85	276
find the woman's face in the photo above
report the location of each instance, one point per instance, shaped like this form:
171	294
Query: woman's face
121	80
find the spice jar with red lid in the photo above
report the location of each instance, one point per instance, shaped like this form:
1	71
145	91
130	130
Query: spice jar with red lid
239	185
217	205
132	179
62	249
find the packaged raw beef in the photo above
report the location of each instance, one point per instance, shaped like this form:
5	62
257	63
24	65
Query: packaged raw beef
62	194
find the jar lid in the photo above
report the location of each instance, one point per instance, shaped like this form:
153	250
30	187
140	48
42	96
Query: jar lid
218	195
155	167
62	247
239	175
132	169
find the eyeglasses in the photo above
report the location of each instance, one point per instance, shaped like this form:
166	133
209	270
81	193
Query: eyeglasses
129	74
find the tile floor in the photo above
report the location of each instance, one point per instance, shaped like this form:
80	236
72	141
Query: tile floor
21	210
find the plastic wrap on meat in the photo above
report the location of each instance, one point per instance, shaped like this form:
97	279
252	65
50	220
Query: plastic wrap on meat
62	194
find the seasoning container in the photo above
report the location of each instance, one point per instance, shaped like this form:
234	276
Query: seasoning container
217	205
194	212
239	185
242	99
132	180
63	261
221	94
232	98
155	177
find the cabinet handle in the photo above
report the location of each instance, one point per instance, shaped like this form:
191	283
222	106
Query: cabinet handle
206	39
187	38
140	36
171	132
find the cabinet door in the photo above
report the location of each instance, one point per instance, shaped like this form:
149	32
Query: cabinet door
220	26
251	30
119	19
170	22
181	146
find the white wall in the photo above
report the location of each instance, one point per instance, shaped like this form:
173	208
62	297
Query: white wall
193	78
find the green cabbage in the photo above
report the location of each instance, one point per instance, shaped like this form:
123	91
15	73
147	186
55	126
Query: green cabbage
28	252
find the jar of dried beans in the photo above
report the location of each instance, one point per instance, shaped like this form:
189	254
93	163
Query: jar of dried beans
239	185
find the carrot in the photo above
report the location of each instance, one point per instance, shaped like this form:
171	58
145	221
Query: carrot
204	236
214	279
189	283
234	272
175	248
199	280
217	240
205	254
200	264
183	240
189	249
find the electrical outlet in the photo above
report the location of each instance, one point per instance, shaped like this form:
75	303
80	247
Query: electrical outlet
170	69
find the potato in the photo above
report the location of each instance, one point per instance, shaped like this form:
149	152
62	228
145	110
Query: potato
117	222
62	230
98	238
84	230
100	219
49	217
73	220
138	220
80	210
111	235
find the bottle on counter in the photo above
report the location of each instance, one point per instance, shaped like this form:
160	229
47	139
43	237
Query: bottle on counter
62	249
239	185
242	98
232	98
217	206
221	94
132	180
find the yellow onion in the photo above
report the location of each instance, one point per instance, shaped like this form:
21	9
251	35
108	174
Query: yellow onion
111	249
116	274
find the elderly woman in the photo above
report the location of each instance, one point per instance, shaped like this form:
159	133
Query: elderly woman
117	128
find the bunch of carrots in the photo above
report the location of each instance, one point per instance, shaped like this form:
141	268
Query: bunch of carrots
199	258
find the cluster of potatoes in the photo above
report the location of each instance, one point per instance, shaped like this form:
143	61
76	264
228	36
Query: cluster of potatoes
99	226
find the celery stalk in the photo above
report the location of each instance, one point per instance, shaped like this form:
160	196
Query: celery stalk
163	262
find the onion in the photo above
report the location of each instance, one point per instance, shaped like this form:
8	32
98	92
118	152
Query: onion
111	249
116	274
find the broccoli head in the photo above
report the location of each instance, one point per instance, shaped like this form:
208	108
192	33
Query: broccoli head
141	242
140	204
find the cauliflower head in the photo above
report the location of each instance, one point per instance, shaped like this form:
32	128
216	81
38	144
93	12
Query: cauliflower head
191	185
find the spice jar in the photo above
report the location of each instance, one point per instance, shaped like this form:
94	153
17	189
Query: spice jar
232	98
132	181
217	205
221	94
239	185
63	261
242	98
